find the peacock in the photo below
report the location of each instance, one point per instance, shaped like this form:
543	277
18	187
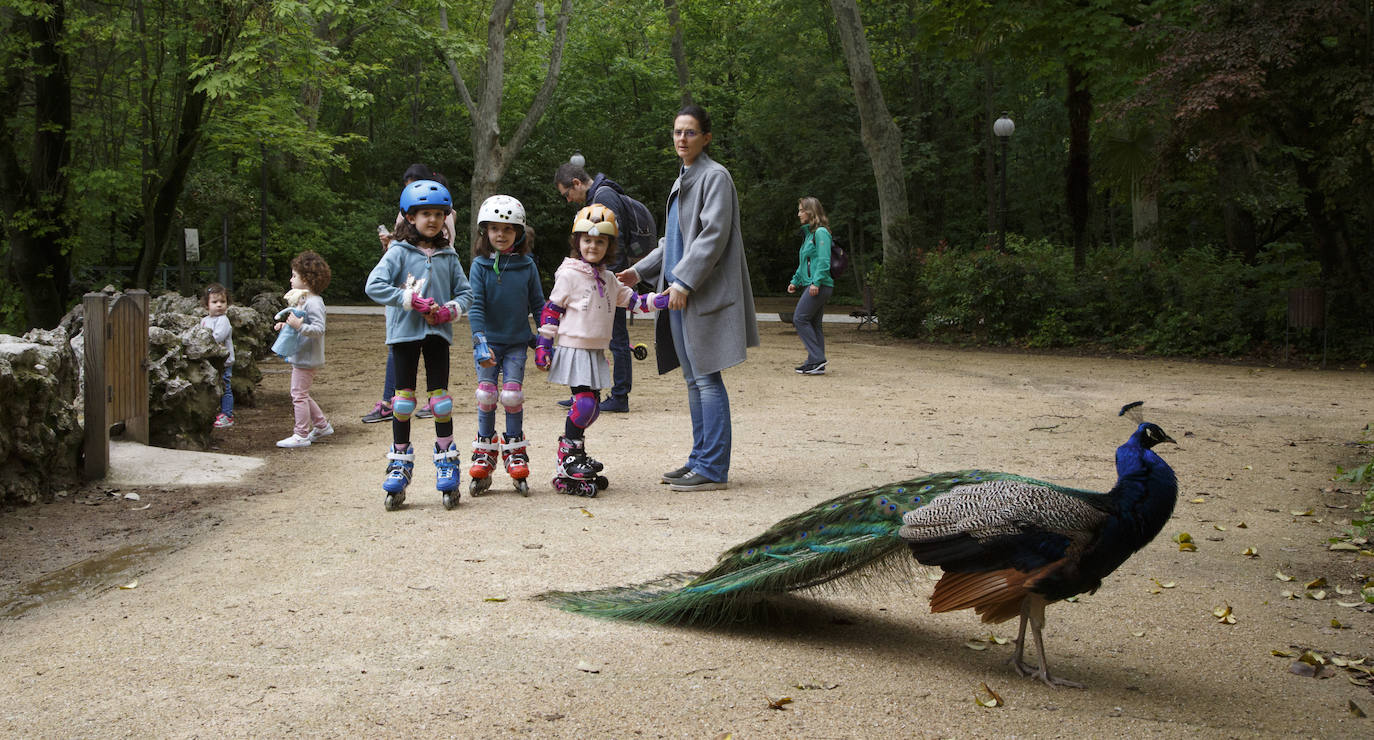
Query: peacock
1008	545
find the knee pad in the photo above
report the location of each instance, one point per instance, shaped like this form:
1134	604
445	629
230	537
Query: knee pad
403	405
512	397
441	403
486	396
585	408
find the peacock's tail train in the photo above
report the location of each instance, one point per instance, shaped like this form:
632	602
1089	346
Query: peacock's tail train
844	535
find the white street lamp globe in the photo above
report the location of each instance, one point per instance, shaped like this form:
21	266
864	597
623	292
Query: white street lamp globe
1003	126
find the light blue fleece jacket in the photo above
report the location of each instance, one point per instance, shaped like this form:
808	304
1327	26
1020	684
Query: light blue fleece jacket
445	282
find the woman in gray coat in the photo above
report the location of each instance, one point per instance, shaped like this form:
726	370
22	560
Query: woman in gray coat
710	318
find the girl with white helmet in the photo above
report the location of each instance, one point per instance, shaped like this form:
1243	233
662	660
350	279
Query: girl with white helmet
421	277
580	313
505	292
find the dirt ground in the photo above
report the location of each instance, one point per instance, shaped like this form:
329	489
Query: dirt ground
293	604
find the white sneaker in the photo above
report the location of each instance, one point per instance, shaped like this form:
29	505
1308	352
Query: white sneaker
323	431
295	440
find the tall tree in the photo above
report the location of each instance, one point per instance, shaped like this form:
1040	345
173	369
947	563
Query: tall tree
678	50
490	157
881	137
36	201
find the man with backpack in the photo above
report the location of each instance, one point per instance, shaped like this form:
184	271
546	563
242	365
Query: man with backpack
638	236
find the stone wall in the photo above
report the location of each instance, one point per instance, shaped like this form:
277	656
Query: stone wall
40	428
42	382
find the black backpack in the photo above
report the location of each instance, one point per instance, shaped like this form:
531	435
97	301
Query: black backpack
640	236
839	259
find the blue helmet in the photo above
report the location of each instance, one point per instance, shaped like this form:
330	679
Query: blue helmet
425	193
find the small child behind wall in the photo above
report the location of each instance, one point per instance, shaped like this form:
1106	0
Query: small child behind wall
215	299
309	272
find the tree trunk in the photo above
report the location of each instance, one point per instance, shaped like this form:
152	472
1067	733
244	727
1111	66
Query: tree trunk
990	152
679	53
1144	216
1080	106
879	132
162	190
35	202
490	158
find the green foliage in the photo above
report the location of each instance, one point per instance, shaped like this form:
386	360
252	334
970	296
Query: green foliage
1199	302
1363	476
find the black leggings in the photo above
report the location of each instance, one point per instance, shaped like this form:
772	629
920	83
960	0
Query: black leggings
407	358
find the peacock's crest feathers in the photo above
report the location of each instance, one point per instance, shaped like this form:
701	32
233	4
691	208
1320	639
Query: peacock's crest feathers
853	532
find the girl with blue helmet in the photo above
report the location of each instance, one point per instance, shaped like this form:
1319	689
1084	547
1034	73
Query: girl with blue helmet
422	278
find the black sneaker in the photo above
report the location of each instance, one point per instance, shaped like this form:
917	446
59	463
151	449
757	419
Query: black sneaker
804	368
673	476
696	482
380	412
424	412
615	405
566	403
816	369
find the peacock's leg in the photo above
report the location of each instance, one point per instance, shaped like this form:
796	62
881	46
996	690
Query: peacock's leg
1018	659
1034	608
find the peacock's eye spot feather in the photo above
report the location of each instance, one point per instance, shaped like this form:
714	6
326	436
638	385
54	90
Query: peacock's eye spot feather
882	501
915	499
892	507
928	487
803	534
901	490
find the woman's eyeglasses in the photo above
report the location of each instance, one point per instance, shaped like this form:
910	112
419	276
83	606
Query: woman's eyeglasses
685	133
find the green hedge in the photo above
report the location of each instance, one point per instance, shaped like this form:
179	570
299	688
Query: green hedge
1193	302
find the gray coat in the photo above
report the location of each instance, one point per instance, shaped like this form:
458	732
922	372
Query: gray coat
718	323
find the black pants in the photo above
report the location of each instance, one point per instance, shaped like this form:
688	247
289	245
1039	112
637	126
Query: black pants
407	357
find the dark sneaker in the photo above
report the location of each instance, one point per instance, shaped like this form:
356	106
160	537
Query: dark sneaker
696	482
673	476
380	412
615	405
802	366
566	403
424	412
816	369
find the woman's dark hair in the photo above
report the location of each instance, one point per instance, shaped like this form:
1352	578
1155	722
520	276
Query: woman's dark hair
415	172
575	249
699	113
313	270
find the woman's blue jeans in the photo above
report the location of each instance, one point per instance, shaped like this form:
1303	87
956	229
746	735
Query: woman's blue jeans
709	405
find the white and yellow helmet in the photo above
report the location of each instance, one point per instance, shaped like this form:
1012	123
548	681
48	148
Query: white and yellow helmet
597	220
501	209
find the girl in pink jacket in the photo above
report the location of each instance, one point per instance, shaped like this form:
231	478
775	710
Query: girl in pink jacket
580	312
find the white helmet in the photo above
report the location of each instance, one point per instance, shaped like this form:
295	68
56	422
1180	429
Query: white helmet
501	209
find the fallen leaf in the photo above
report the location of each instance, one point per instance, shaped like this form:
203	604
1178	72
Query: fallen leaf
1242	525
1198	500
1350	604
1288	594
1312	658
1224	615
586	667
780	703
584	511
1250	552
1317	595
131	496
1336	624
1279	575
1343	591
1166	584
1304	512
1138	634
131	584
988	698
976	645
141	508
1355	709
1318	583
495	598
1347	546
1280	653
1218	528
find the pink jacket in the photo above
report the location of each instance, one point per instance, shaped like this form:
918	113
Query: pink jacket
589	304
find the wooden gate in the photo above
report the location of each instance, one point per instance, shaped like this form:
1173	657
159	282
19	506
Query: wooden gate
116	354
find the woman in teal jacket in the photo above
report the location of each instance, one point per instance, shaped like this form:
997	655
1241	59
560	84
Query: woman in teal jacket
813	276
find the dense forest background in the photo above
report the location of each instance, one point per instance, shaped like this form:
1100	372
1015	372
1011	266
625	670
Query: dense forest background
1176	167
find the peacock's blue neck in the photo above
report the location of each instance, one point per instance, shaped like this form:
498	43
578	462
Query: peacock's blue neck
1146	490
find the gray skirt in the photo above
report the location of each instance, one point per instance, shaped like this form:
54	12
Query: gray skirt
573	366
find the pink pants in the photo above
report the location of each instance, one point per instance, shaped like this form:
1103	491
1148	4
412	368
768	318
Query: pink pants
308	413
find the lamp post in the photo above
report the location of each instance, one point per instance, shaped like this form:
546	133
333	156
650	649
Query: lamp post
577	160
1003	127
